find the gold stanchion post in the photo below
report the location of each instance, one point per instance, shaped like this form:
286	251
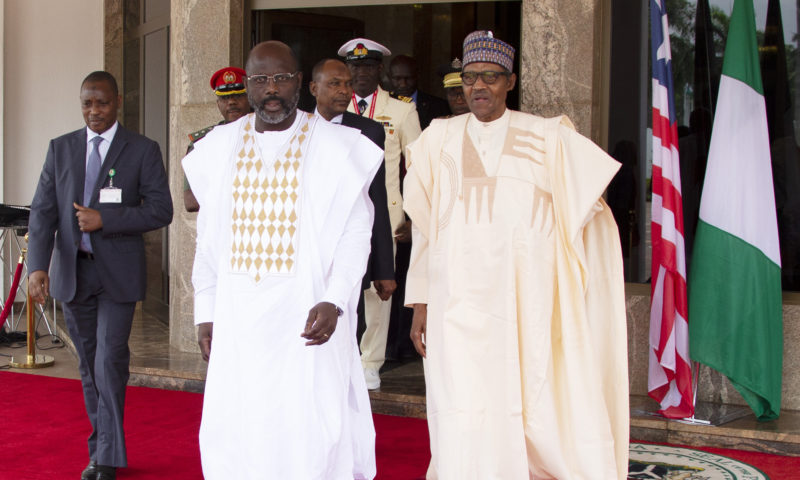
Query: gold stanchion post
31	360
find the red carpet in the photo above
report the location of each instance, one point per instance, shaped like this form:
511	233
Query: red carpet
43	428
43	431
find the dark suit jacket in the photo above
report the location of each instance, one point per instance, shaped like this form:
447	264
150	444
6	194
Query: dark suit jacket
430	107
381	259
118	246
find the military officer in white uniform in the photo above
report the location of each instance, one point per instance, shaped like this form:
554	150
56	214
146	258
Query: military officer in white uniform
399	118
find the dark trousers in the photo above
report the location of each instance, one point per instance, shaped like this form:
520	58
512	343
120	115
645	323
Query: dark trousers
100	328
398	344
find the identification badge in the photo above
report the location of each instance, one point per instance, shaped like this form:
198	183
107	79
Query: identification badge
110	195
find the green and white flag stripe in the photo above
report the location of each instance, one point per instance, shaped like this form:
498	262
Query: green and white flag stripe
735	307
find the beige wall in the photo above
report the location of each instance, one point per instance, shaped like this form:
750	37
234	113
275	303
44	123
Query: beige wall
41	79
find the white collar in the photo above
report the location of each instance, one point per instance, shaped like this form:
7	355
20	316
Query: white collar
337	119
108	135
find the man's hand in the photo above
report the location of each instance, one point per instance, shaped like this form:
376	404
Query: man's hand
419	323
385	288
190	202
321	323
89	219
204	333
403	232
39	286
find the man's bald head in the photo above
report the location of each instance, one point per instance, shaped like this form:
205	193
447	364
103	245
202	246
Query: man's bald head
275	50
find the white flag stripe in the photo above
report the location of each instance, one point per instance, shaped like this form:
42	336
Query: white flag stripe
666	218
656	214
673	398
656	376
737	172
681	330
656	306
670	165
660	97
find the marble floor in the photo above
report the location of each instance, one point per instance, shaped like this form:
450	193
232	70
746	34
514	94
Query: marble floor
154	363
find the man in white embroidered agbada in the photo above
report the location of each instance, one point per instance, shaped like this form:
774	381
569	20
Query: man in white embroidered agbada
517	288
282	243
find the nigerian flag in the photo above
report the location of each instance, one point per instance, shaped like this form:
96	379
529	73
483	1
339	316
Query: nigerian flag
735	308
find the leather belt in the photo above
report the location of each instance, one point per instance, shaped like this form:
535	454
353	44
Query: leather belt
86	255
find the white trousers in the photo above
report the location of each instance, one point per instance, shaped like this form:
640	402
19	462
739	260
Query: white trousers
376	318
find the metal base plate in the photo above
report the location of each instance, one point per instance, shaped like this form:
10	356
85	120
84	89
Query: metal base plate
705	413
28	361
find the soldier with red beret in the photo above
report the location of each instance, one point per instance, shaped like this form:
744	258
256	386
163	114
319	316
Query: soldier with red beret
228	86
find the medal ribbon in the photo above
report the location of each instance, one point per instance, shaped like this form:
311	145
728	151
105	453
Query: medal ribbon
371	104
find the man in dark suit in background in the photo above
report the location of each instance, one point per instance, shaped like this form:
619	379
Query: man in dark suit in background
100	189
331	85
403	74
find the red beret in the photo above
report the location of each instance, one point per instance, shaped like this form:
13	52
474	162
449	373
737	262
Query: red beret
228	81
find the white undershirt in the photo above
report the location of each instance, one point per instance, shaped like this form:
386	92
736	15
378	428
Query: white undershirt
488	138
269	142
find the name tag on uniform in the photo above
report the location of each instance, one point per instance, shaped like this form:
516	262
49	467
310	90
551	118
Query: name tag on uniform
110	195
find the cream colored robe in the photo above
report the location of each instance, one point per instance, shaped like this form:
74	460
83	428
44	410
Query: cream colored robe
526	367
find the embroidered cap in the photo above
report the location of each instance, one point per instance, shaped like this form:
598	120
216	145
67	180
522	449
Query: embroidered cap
228	81
362	48
481	46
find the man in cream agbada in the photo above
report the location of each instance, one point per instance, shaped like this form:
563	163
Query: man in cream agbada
517	288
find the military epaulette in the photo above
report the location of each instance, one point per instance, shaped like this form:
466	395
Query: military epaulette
195	136
403	98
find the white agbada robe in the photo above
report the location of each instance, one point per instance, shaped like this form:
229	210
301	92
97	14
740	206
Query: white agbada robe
273	407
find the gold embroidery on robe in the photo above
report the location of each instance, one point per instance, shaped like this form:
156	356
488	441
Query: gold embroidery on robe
265	202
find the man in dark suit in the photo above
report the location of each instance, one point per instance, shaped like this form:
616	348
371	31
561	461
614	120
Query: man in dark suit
403	75
100	189
332	87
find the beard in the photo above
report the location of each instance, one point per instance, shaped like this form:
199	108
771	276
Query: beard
287	108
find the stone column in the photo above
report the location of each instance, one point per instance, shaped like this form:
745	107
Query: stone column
205	35
563	43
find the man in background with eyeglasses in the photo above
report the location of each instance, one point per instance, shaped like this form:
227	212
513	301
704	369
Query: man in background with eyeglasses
399	118
283	237
517	288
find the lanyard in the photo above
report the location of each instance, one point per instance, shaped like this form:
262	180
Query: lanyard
371	104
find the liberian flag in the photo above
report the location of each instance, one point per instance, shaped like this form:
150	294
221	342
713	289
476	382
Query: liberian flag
669	379
736	310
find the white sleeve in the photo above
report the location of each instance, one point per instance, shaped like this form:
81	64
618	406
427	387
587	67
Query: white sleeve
350	256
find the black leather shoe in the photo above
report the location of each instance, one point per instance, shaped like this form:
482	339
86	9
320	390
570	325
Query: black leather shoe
90	472
105	472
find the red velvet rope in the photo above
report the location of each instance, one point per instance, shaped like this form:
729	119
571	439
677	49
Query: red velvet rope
11	294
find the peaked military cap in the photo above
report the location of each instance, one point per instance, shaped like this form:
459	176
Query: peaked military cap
363	48
228	81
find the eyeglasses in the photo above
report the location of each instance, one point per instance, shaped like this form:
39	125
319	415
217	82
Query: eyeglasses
488	76
260	80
